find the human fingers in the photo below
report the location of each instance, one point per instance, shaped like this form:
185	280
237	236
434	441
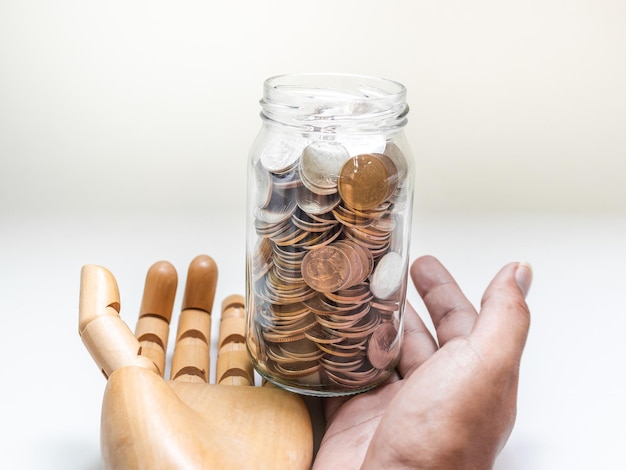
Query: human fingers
504	319
153	326
417	346
417	343
191	360
452	314
233	366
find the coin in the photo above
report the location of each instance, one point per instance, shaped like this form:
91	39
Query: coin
281	155
326	269
355	295
326	279
320	164
363	376
321	335
387	276
288	180
321	239
340	364
367	180
305	349
301	370
357	144
279	209
393	151
263	182
304	221
261	261
349	218
319	304
383	346
313	203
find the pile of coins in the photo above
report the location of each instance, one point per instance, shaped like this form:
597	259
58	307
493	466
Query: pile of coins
325	280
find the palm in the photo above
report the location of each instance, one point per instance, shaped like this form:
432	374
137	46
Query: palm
351	424
452	402
148	422
152	423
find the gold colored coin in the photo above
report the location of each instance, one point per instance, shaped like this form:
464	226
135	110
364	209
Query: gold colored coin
367	180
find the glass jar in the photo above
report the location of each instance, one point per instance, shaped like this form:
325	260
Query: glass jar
330	194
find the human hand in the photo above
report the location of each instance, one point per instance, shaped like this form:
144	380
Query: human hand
452	402
148	422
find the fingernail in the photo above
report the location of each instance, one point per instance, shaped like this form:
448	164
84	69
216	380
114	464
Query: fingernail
524	276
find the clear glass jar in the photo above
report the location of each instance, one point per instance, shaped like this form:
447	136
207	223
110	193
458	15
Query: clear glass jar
330	195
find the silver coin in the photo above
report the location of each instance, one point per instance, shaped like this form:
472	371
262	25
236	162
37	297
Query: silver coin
281	155
313	203
320	165
278	210
358	144
387	276
397	157
263	182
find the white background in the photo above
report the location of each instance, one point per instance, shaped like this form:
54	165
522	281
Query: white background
514	105
124	131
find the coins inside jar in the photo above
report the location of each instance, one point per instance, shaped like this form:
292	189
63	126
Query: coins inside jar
325	280
367	181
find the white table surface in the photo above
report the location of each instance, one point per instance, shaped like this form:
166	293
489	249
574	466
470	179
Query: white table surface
573	380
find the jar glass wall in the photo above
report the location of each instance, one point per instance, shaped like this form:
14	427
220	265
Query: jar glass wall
330	192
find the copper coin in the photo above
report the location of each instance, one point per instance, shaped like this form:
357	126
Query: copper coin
385	307
321	335
383	346
340	364
301	370
349	218
288	310
304	349
280	338
326	269
319	304
355	295
304	221
322	239
338	353
365	181
355	379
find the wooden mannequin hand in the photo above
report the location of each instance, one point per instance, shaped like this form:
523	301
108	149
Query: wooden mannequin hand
148	422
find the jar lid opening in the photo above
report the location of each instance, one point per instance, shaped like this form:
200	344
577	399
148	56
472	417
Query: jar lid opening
332	98
333	86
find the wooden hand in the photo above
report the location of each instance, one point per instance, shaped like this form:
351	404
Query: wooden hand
185	422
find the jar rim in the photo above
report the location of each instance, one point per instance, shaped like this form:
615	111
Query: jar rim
319	100
332	87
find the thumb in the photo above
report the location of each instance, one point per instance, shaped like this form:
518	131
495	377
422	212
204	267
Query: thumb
504	320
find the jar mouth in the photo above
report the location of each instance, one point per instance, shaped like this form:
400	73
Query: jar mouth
320	100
